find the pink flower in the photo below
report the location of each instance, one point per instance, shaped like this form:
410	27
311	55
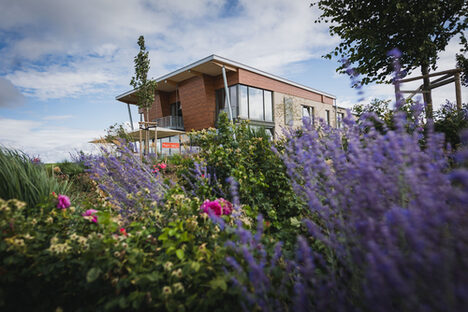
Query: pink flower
212	206
162	166
63	202
218	207
90	215
227	206
123	231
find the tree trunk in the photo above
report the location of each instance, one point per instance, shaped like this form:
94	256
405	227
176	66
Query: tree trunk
427	91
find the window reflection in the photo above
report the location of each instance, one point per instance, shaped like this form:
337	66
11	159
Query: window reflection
268	105
246	103
255	104
243	102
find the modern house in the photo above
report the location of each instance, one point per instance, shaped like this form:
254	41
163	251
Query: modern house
192	97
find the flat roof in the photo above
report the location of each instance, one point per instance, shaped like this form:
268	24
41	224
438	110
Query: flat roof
210	65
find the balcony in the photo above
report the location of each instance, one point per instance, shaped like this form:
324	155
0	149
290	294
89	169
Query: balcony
171	122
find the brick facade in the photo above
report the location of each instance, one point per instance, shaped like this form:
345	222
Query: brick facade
197	98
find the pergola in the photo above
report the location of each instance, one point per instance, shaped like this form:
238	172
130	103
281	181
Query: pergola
137	136
447	76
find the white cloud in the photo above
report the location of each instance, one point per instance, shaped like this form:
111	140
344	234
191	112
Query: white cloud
100	38
58	117
9	95
51	144
59	82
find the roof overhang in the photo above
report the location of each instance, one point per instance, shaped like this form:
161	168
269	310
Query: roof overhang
135	135
211	66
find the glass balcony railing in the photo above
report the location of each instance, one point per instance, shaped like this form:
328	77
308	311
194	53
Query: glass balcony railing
171	122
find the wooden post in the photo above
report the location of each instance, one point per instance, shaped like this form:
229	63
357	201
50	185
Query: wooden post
458	90
140	147
146	140
180	144
397	93
156	139
426	87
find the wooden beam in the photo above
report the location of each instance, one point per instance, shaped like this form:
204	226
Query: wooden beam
441	78
195	72
170	82
441	83
450	71
226	66
415	91
458	90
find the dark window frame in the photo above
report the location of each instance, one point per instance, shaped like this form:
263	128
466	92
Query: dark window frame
220	96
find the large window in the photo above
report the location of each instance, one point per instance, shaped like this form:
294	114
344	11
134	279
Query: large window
340	120
247	103
308	112
221	104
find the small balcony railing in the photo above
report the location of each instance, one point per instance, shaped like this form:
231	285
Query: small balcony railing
171	122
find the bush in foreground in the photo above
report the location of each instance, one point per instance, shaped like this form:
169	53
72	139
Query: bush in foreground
387	227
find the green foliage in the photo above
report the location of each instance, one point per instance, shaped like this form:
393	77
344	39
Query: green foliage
145	88
451	121
117	132
22	179
263	184
369	30
381	110
171	259
381	114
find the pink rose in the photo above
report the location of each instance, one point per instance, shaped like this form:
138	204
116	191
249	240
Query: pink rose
162	166
90	215
63	202
212	206
226	205
218	207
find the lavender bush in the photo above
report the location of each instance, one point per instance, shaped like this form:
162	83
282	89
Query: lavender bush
388	224
130	183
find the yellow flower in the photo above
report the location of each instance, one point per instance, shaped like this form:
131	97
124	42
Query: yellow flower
168	266
178	287
177	273
166	290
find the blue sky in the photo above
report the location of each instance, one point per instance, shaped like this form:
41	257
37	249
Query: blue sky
63	62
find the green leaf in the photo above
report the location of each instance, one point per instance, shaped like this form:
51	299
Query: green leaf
180	254
93	274
218	282
195	266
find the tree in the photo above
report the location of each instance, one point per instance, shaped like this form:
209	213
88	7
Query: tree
462	62
370	29
452	122
145	88
380	113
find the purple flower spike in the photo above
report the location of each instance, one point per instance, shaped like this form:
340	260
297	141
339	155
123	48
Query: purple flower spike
395	52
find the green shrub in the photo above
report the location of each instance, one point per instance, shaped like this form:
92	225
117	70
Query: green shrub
263	187
172	259
22	179
451	122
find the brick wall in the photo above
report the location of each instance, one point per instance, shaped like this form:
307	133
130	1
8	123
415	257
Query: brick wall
198	103
197	97
232	79
259	81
